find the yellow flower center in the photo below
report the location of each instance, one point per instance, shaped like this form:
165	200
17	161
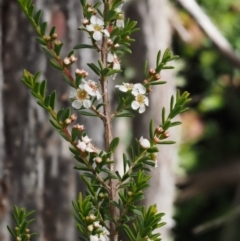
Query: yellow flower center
140	99
82	94
98	27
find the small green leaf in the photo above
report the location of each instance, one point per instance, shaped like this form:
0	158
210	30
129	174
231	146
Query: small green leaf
84	46
52	31
163	115
41	41
48	52
94	68
55	124
125	114
52	99
113	145
56	65
86	113
166	142
151	132
111	14
152	149
43	27
11	232
158	58
176	123
158	83
42	88
38	16
42	105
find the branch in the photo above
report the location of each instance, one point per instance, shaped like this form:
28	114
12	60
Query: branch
211	30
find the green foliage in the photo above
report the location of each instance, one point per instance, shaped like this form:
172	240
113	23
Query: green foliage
21	232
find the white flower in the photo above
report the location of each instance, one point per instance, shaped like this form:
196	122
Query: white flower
120	21
86	145
94	238
112	58
125	87
92	88
141	100
138	89
144	143
104	235
97	28
81	98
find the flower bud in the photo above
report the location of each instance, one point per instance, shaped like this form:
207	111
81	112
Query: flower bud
85	21
73	59
57	42
18	238
152	71
156	139
130	193
110	42
73	117
96	224
66	61
145	81
54	36
81	72
166	134
149	89
27	230
157	76
116	46
92	217
159	130
98	159
68	121
127	37
79	127
90	228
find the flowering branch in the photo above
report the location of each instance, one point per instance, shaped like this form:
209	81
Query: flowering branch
111	200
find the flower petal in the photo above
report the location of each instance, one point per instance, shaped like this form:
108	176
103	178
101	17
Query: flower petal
81	145
87	104
77	104
146	101
99	22
90	28
142	109
73	93
106	32
97	35
144	143
122	88
135	105
94	238
110	57
93	19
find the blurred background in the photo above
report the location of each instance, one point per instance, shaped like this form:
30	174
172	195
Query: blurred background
197	183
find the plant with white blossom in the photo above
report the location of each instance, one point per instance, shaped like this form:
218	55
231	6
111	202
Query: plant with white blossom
111	203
